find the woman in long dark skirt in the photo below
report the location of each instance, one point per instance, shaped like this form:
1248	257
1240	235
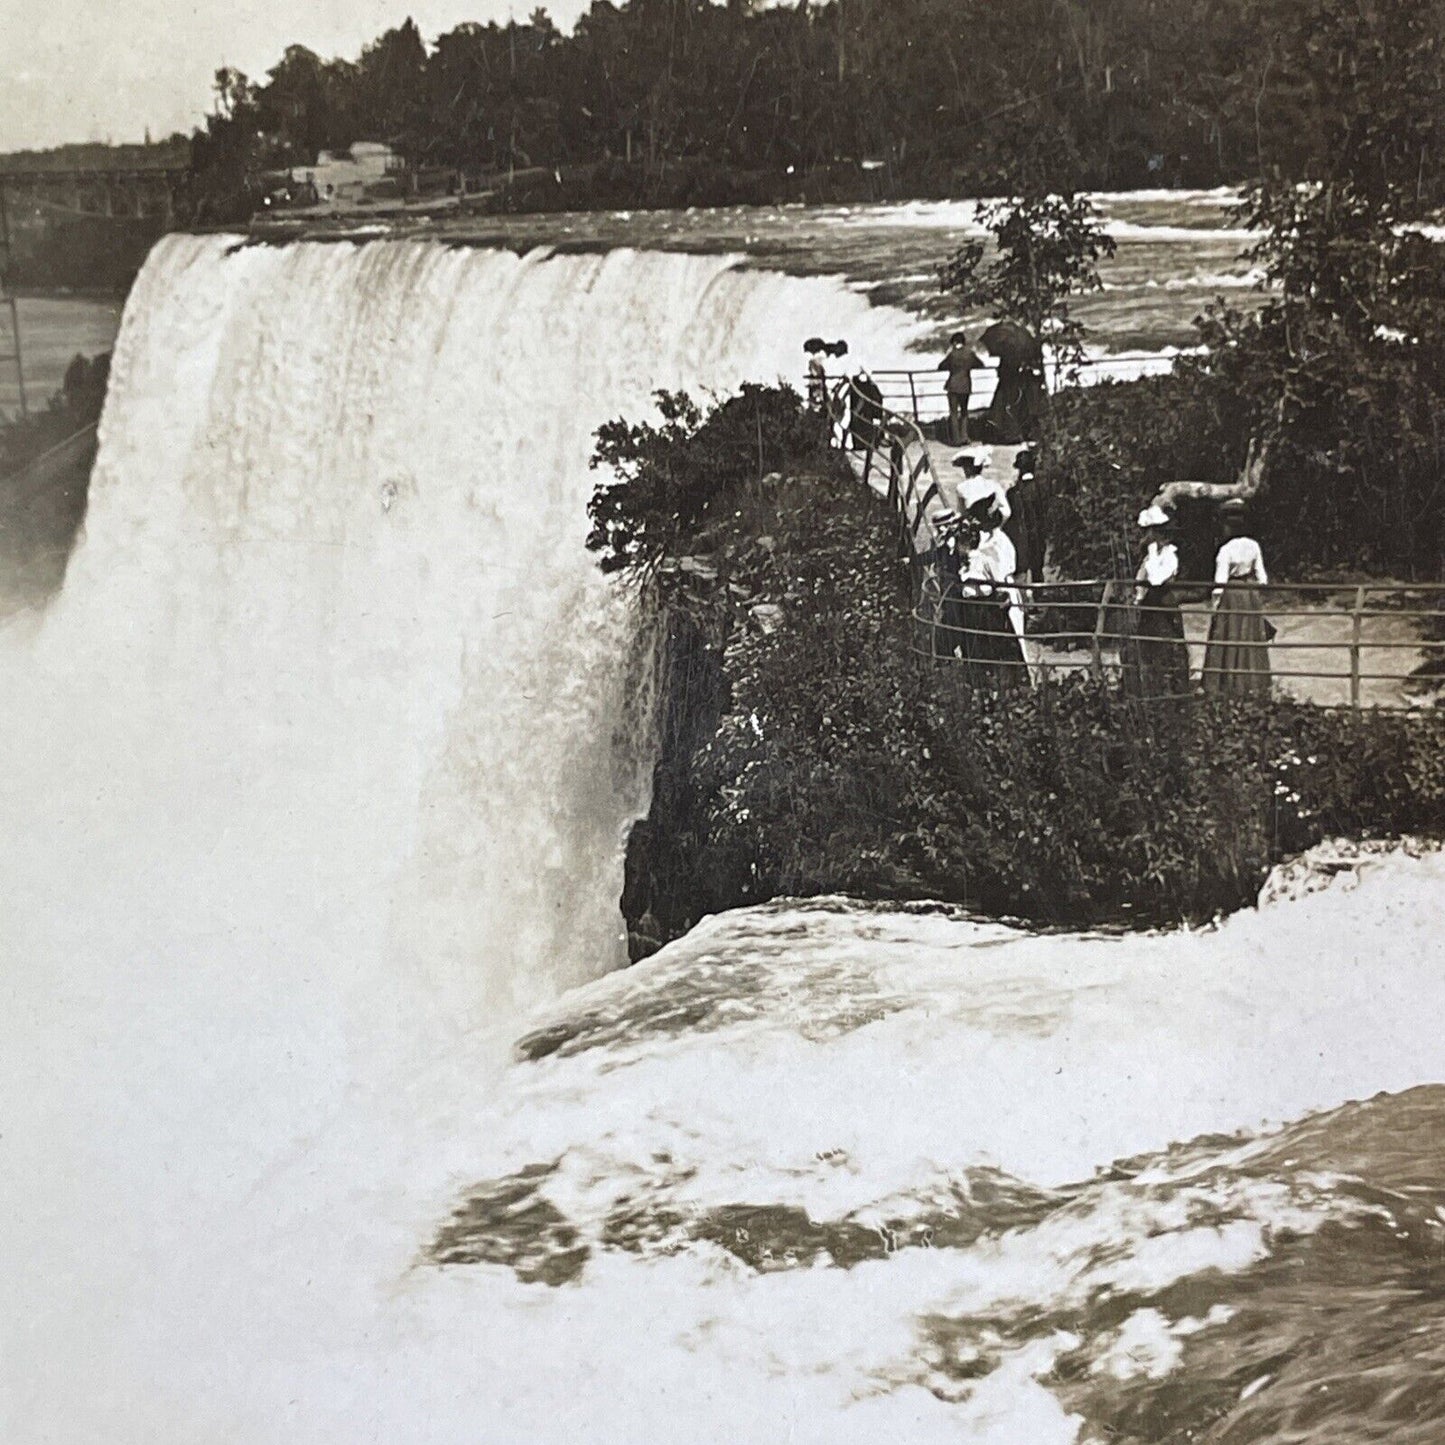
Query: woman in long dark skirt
1026	524
1237	657
1155	657
989	640
947	563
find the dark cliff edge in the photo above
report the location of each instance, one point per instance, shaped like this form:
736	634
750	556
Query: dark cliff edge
663	893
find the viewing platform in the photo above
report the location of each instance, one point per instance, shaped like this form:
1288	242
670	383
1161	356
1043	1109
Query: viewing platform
1362	645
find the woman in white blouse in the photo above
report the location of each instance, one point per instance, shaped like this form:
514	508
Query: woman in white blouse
1156	659
1237	657
987	621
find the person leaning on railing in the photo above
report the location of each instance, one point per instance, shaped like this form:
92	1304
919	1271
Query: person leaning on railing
867	410
960	362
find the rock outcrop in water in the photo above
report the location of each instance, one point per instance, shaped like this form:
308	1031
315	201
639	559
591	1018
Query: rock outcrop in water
1339	863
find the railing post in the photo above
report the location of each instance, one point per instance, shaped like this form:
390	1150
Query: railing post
1356	633
913	392
1096	648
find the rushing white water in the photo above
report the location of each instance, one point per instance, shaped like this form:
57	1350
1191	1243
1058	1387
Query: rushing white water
847	1174
315	776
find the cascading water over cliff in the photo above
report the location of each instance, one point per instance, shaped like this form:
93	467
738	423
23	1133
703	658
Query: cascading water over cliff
314	780
321	762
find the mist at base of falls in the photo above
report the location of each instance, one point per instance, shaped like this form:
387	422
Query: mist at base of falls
317	775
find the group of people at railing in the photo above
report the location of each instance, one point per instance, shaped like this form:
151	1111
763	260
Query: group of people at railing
1154	655
1019	395
983	592
1019	398
985	557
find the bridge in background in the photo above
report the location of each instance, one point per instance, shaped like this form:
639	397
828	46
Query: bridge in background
77	183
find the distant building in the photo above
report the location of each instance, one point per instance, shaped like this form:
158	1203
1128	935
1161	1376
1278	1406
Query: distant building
345	179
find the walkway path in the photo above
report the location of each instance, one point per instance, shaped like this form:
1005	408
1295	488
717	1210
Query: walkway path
1318	634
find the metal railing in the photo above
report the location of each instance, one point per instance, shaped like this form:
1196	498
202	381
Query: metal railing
1361	645
922	393
892	455
1372	645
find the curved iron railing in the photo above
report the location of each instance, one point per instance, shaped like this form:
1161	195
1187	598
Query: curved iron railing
1374	644
920	393
891	454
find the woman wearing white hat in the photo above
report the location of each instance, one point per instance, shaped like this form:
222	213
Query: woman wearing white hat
984	623
1156	659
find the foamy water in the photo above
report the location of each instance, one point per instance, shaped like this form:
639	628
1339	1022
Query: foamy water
322	762
836	1168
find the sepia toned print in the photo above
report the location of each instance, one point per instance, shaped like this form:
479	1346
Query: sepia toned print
722	723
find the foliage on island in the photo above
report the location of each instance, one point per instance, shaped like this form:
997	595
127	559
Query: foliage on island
808	747
668	478
1046	248
1341	369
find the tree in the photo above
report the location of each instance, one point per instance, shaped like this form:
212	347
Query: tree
294	106
233	92
1047	248
227	154
1342	370
391	83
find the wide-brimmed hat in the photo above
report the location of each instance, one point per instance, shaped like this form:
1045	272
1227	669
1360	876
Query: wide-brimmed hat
975	491
947	523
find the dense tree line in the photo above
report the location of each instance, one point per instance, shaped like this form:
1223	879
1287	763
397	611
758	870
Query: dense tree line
1341	371
946	94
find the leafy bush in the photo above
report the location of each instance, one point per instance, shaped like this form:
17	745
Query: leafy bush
1109	448
809	749
1047	248
1342	367
846	765
673	478
1355	481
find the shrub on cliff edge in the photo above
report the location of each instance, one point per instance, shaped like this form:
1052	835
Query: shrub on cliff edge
832	758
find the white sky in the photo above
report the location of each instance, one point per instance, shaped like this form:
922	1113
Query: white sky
79	70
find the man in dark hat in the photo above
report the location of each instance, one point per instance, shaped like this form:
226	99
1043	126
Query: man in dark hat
960	362
1027	524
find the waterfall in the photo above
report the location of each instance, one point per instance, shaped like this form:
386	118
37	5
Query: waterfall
316	775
